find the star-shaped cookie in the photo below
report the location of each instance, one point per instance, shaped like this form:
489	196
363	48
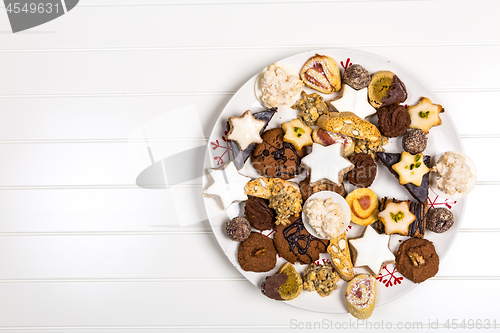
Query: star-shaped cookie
411	168
228	185
372	251
355	101
396	218
245	130
327	162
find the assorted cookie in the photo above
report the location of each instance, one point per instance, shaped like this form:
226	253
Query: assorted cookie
329	143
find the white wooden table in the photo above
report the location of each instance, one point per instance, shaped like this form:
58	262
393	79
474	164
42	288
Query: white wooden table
83	248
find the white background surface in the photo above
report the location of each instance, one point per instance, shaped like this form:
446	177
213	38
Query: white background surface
82	248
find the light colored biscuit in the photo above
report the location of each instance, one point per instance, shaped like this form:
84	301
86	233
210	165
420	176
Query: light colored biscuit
347	123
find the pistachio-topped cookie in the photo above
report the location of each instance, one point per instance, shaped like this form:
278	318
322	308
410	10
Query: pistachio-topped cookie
297	133
396	218
425	115
411	168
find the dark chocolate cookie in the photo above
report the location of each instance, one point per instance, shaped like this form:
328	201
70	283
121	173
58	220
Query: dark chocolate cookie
257	253
364	172
294	243
393	120
306	189
440	220
259	214
276	158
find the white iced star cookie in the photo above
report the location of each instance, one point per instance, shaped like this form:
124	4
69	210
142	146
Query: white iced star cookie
327	163
245	130
355	101
372	251
228	185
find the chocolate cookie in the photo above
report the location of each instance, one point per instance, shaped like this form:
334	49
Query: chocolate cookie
276	158
357	77
306	189
238	229
259	214
414	141
440	220
393	120
417	260
295	243
364	172
257	253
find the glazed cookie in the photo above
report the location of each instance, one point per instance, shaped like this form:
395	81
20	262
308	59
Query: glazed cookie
371	251
239	156
440	220
417	260
321	73
276	158
297	133
353	101
320	278
385	89
307	189
280	288
411	169
347	123
425	115
259	214
418	192
393	120
396	218
419	210
326	138
364	172
257	253
245	130
294	243
310	108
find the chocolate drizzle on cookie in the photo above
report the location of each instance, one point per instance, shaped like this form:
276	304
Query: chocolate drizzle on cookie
293	235
420	210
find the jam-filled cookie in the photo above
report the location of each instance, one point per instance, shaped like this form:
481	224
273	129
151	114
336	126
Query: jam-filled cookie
321	73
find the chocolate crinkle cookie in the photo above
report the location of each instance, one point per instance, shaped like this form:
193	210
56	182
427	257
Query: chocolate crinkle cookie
238	229
357	77
440	220
414	141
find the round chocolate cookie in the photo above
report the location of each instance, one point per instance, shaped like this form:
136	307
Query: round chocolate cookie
259	214
306	189
364	172
257	253
393	120
440	220
238	229
417	259
294	243
276	158
357	77
414	141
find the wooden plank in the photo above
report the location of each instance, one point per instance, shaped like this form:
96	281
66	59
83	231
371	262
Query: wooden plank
96	118
171	256
260	24
219	305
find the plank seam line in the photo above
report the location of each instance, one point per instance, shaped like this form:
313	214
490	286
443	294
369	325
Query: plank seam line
161	233
146	140
175	280
252	47
135	187
208	93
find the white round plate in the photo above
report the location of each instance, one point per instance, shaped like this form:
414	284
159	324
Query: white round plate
390	283
338	199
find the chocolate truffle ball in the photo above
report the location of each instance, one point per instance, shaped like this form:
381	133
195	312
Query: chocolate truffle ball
238	229
440	220
357	77
414	141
